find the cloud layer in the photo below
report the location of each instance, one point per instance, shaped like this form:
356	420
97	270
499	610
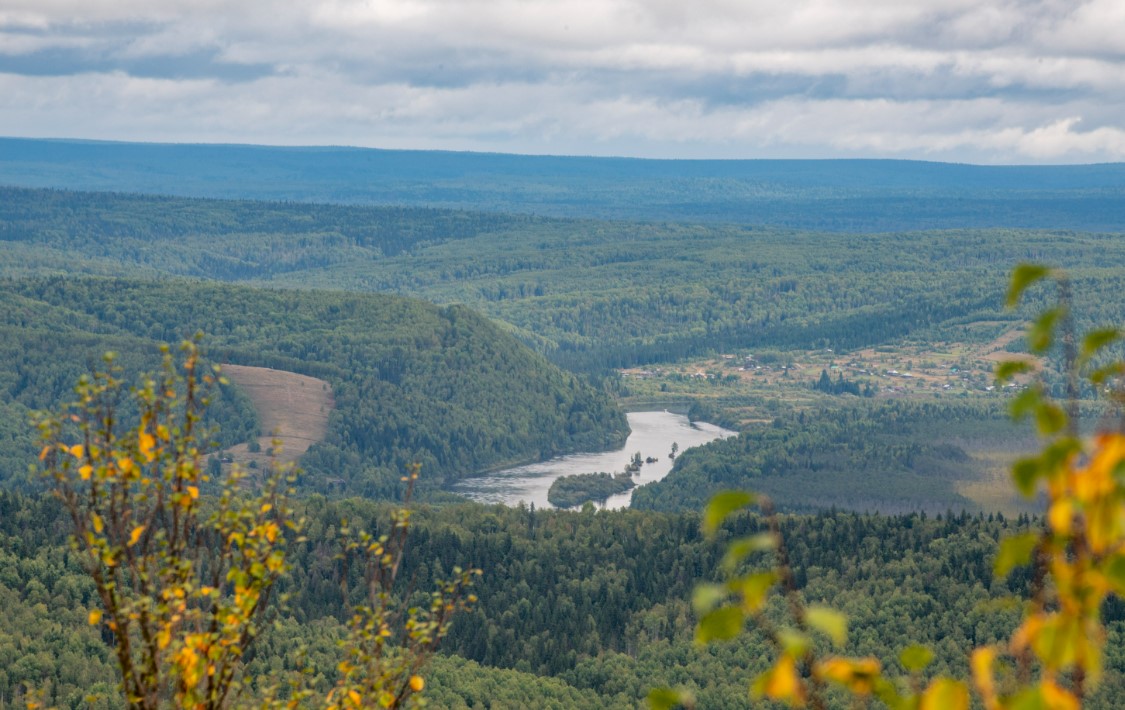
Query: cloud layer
988	81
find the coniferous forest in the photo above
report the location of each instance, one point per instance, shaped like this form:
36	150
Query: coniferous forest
847	336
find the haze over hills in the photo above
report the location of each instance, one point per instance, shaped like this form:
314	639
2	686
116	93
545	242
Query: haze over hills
849	195
590	294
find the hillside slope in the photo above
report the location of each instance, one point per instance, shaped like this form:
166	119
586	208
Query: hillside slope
413	382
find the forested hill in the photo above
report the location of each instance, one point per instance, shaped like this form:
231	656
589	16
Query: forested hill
577	610
412	381
590	294
835	195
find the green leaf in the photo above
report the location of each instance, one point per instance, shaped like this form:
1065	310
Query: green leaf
1023	276
1025	474
1102	374
706	597
1094	341
722	505
754	589
793	642
889	695
1050	418
1059	453
1042	332
1014	552
1115	573
740	549
665	699
915	658
1010	368
1029	699
722	624
830	622
1025	403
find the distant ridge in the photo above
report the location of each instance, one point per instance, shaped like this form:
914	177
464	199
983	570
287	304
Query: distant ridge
833	195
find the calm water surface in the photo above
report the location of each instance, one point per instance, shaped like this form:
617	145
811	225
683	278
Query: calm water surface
653	434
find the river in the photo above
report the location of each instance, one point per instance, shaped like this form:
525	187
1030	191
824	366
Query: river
652	434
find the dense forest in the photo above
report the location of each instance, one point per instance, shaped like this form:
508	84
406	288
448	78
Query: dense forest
590	295
469	312
413	382
889	456
577	609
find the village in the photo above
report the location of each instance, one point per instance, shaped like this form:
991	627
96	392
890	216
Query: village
913	370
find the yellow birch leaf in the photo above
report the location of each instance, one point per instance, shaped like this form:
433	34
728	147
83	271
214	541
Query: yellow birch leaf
945	694
145	442
136	535
1027	632
77	450
275	562
1060	515
1056	698
1104	523
193	491
85	471
96	520
837	669
981	663
857	675
43	454
781	682
417	683
95	617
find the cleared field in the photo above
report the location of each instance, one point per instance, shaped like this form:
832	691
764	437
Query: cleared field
292	409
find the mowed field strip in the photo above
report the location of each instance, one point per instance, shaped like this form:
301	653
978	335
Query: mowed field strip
291	407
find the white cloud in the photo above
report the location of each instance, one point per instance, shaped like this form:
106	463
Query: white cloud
979	80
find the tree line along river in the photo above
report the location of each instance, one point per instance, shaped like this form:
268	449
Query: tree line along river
652	434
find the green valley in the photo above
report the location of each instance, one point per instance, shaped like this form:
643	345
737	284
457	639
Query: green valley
469	314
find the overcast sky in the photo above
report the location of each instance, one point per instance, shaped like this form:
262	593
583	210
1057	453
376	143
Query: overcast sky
983	81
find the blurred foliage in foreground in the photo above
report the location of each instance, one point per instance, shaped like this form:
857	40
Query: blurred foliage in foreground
1055	657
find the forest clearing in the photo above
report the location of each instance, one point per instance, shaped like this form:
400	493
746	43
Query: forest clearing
292	409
